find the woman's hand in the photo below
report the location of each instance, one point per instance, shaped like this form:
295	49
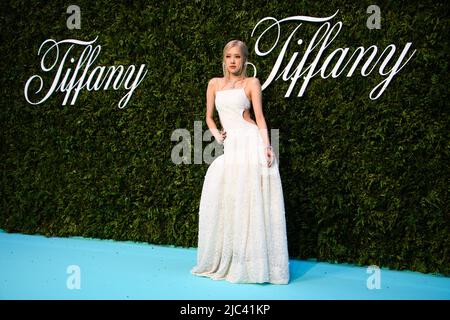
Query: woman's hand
221	137
269	156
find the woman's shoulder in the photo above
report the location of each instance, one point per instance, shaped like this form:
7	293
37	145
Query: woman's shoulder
214	82
252	81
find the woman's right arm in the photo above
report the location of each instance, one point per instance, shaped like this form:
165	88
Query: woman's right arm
210	95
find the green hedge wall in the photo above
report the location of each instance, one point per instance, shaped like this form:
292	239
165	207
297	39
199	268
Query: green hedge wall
365	181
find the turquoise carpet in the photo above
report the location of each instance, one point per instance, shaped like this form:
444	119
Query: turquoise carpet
37	267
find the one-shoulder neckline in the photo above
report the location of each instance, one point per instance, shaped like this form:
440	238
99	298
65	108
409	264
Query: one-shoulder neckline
235	89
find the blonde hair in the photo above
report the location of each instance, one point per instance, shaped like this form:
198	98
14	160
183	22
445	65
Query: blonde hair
244	52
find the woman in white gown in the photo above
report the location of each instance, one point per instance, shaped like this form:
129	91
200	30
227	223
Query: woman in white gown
242	226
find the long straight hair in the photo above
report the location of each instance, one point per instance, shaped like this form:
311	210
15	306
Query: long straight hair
244	51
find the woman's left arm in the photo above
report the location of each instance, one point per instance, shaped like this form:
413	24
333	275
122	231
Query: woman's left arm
256	97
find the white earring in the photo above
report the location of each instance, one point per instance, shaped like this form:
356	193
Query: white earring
254	67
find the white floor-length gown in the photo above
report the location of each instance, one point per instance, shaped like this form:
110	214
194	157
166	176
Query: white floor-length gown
242	226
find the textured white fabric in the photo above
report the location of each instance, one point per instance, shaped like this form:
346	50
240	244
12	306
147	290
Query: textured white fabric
242	227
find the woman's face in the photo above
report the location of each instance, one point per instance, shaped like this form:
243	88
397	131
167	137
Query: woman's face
234	60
